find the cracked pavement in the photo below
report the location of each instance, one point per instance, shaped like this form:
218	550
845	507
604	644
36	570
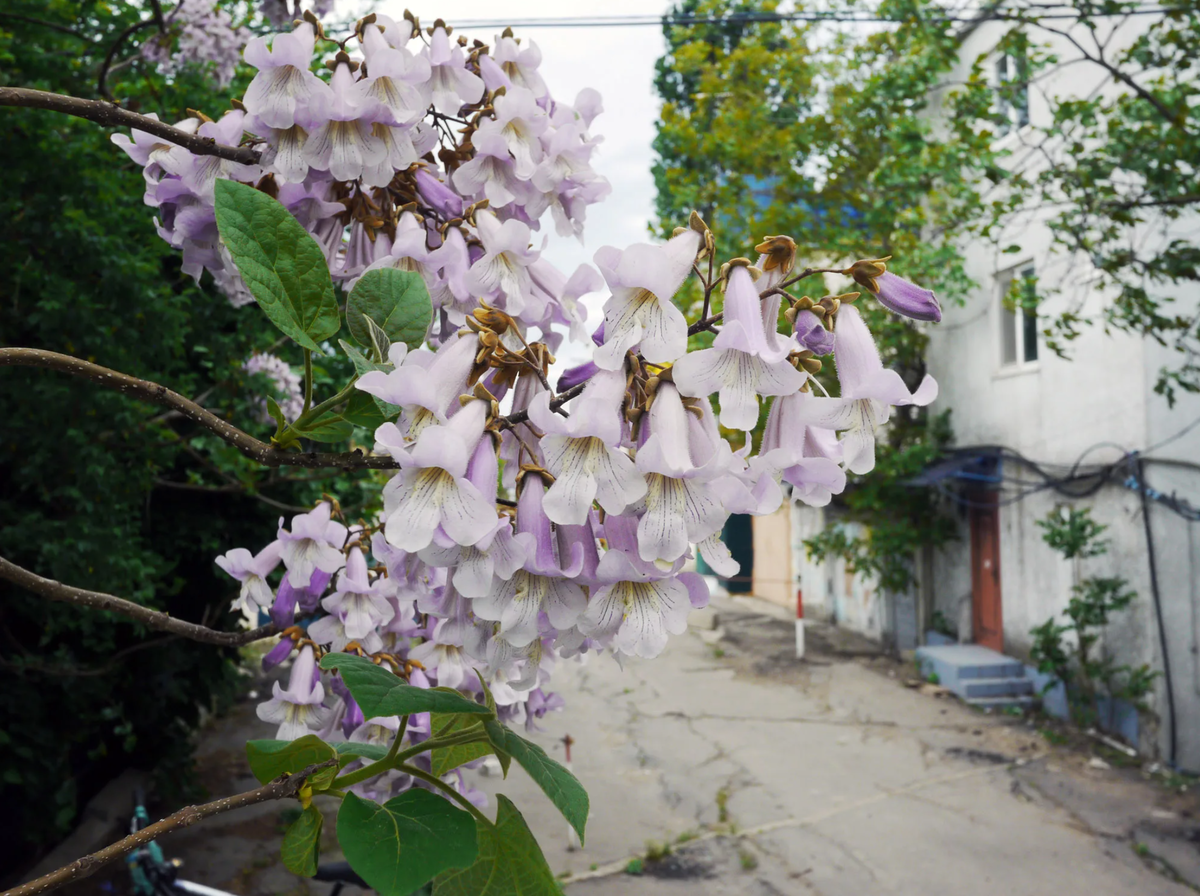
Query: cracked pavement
765	775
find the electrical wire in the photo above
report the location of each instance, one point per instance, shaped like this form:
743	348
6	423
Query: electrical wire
1017	14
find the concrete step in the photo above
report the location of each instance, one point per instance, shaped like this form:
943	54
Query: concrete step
1024	702
956	663
995	687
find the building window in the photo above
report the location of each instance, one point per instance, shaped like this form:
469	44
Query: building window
1018	317
1012	90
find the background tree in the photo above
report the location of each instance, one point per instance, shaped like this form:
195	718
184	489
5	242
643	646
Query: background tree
826	135
115	493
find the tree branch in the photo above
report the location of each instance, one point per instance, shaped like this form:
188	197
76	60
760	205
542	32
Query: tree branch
30	20
110	115
155	619
519	417
265	454
283	787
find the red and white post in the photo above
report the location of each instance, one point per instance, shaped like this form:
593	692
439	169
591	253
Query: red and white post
799	624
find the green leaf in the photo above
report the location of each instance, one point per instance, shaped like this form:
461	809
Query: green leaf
556	782
445	759
381	343
365	410
329	427
510	862
397	301
366	751
405	842
379	692
362	364
302	842
281	263
271	758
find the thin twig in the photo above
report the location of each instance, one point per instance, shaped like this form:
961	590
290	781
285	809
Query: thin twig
265	454
282	787
30	20
102	78
111	115
518	417
155	619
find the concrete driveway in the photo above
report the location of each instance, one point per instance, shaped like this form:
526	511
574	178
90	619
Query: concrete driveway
740	771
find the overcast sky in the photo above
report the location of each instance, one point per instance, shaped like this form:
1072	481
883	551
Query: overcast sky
618	62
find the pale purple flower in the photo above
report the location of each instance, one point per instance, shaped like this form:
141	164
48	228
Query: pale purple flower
681	508
502	271
425	385
451	84
343	141
868	393
397	79
643	279
520	122
315	543
450	662
284	85
747	359
812	335
432	489
362	605
490	173
300	709
637	607
198	32
543	585
806	457
252	572
289	387
331	631
520	64
581	452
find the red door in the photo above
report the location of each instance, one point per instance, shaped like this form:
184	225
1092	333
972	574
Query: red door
985	572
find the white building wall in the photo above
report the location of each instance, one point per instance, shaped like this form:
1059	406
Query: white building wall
1092	408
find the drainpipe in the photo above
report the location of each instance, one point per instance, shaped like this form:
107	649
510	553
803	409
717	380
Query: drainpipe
1162	632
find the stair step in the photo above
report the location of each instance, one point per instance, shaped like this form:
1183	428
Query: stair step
994	687
1023	701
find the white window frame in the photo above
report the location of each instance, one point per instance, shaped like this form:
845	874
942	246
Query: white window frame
1018	318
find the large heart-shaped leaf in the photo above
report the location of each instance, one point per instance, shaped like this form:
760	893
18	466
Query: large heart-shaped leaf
407	841
302	842
280	262
556	782
379	692
398	301
271	758
510	862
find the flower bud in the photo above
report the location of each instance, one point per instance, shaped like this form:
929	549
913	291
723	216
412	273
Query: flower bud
812	335
905	298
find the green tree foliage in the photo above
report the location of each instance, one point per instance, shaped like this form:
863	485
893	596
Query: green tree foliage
82	469
828	136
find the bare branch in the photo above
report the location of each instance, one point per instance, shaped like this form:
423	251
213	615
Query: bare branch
521	416
110	115
30	20
283	787
256	450
102	78
155	619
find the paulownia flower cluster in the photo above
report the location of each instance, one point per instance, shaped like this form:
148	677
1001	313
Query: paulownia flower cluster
522	526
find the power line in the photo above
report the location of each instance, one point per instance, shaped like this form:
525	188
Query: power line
1018	14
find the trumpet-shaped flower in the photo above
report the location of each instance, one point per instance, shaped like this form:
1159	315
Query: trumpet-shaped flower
300	709
252	572
315	543
284	85
361	604
681	508
747	359
581	452
542	585
643	278
452	85
502	269
868	393
432	490
519	121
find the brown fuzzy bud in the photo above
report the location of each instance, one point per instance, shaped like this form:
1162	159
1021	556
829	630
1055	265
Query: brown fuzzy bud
864	271
780	252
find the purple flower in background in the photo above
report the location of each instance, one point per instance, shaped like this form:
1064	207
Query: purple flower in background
807	457
299	709
812	335
519	122
362	605
288	385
